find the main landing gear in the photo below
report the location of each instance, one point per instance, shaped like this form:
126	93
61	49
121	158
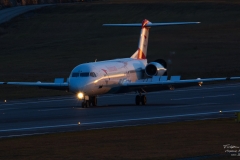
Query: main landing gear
140	99
89	101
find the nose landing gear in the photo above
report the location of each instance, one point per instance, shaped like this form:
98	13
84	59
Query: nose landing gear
140	99
93	101
85	104
89	101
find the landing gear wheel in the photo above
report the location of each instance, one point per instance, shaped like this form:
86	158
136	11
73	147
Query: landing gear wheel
87	103
143	99
94	101
83	104
137	100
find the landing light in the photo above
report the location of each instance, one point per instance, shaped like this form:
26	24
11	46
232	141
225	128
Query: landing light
80	95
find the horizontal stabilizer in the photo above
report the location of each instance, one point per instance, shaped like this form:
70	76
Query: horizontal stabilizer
141	52
149	24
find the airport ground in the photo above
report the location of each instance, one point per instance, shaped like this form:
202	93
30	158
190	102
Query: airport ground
58	128
49	42
186	140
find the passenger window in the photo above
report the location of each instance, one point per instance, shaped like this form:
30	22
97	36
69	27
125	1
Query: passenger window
75	74
92	74
84	74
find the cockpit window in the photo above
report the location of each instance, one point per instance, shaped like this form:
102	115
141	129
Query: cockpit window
84	74
92	74
75	74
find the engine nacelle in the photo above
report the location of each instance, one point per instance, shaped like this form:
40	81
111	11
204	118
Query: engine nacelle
155	69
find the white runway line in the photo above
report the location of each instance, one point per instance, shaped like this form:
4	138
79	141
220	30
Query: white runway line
176	90
227	95
44	110
196	89
192	105
7	109
21	135
57	98
34	102
42	127
46	100
151	118
124	120
122	126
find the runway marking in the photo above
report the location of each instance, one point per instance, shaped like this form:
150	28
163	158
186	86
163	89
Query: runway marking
191	105
176	90
124	120
121	126
227	95
57	98
43	127
150	118
142	124
7	109
44	110
10	104
21	135
45	100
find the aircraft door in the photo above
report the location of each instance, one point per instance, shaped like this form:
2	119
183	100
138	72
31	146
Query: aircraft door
103	79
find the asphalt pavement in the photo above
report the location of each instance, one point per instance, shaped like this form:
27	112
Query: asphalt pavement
64	114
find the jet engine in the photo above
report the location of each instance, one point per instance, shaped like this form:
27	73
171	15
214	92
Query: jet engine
156	68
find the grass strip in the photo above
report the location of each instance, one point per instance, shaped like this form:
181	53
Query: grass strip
203	138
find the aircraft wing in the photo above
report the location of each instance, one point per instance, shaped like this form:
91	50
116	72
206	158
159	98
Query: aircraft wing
174	81
58	84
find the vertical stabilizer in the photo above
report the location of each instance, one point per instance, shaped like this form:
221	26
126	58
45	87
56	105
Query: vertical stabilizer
143	41
141	53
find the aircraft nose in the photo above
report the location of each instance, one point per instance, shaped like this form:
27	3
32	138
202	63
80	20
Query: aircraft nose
76	85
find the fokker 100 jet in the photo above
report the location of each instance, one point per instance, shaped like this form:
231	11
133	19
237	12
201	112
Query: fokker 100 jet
123	75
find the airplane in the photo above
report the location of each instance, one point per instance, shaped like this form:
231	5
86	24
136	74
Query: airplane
88	80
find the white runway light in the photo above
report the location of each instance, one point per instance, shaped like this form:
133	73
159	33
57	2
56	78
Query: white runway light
80	95
79	123
5	101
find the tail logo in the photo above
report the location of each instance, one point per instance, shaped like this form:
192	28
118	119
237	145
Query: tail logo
145	22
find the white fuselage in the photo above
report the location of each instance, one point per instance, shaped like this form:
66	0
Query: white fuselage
105	76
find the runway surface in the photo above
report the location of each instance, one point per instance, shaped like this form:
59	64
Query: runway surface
64	114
